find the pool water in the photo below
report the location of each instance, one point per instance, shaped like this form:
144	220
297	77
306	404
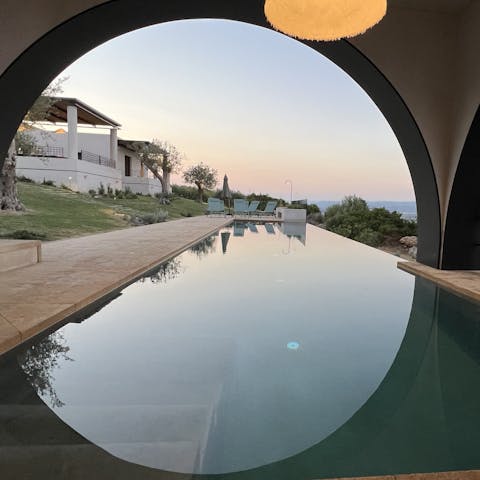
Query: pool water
265	351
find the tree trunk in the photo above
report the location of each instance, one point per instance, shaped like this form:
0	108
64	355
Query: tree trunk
166	178
161	179
200	192
8	184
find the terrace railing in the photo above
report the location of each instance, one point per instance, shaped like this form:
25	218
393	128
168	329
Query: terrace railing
94	158
42	151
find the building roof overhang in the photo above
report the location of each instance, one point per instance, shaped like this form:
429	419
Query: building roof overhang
86	114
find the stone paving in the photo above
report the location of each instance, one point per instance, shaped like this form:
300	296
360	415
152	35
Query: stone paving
74	273
463	282
458	475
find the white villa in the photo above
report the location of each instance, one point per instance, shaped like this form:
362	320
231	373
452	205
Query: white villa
82	161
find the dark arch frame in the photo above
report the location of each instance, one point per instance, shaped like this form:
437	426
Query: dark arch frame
461	249
36	67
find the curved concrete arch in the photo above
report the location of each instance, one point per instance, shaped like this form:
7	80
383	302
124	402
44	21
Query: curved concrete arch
30	73
462	229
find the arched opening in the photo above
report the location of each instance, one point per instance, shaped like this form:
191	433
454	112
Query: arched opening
61	46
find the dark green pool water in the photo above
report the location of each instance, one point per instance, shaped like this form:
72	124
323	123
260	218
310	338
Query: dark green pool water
264	352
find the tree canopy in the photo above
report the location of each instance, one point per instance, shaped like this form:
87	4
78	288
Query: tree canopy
161	158
202	176
353	219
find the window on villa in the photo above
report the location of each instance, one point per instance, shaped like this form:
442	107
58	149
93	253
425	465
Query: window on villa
128	166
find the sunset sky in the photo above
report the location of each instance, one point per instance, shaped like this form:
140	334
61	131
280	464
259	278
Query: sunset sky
250	102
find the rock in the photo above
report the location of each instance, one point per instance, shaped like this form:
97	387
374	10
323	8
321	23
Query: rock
409	241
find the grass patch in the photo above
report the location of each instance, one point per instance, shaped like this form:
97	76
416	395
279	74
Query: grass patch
54	213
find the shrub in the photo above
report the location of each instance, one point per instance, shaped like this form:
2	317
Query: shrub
353	219
23	179
26	235
101	189
50	183
312	208
92	192
315	218
129	194
110	191
150	218
185	192
370	237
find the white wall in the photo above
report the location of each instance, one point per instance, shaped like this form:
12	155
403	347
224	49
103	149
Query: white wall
135	162
98	143
145	186
76	174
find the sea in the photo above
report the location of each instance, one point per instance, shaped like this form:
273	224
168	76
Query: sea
407	209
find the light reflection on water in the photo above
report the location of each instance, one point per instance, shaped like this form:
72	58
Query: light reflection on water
191	368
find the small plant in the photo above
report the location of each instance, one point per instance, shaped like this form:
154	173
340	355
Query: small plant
27	235
101	189
110	191
119	193
23	179
150	218
92	192
49	183
129	195
65	187
186	214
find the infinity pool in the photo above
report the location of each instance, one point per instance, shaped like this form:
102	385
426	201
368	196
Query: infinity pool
265	351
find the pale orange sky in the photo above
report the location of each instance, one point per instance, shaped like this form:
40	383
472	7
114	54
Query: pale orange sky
252	103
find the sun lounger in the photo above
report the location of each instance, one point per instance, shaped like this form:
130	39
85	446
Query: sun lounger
215	206
252	207
240	206
269	209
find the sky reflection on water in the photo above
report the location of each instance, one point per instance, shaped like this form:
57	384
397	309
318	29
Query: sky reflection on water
238	353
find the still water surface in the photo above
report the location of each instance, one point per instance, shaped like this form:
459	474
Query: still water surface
268	350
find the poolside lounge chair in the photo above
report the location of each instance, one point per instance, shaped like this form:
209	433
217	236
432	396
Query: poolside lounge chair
240	206
269	209
215	206
252	207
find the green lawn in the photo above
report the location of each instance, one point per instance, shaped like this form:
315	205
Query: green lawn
55	213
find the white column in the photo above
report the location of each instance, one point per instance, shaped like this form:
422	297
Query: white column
114	145
72	119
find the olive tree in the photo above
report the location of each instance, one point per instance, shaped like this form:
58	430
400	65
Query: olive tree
23	139
162	159
202	176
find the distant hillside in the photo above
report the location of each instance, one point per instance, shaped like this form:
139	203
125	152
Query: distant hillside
407	209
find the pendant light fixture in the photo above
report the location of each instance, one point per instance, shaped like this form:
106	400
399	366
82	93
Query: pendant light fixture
324	19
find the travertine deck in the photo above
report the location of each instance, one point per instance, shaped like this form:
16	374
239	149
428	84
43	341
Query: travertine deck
459	475
76	272
463	282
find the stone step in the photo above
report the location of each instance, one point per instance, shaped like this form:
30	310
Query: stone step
19	253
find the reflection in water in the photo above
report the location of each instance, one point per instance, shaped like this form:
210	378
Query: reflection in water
39	361
296	230
205	393
165	272
225	237
205	247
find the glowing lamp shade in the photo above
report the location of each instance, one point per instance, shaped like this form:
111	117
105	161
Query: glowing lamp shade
324	19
